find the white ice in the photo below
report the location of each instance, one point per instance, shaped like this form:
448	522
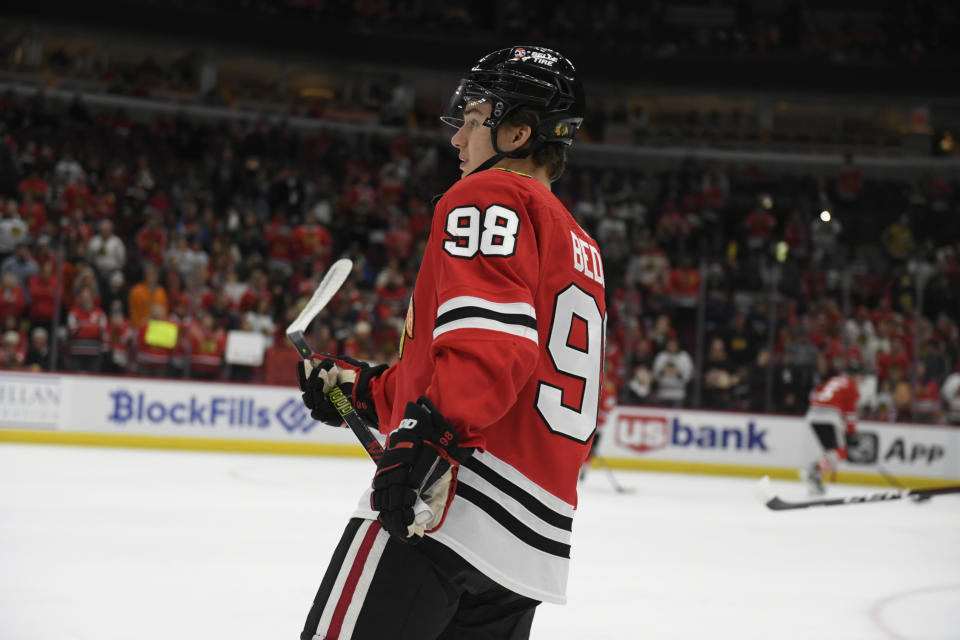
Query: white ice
105	544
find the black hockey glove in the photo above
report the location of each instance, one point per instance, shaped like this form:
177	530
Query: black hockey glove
317	378
420	460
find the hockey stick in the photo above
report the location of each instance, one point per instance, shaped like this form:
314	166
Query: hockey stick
896	483
889	478
332	281
422	513
778	504
357	424
619	488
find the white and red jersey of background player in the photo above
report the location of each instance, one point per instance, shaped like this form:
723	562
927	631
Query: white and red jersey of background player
505	333
838	395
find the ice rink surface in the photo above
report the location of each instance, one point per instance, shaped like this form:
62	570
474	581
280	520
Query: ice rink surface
110	544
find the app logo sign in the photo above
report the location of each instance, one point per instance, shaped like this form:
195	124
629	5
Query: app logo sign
863	447
914	453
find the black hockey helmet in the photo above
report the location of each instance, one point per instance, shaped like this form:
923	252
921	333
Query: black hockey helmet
518	77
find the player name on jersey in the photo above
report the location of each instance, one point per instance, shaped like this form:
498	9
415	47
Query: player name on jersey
586	259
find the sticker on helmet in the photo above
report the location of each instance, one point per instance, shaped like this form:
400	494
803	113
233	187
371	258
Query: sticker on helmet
540	57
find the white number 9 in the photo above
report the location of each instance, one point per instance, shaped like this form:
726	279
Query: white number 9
582	364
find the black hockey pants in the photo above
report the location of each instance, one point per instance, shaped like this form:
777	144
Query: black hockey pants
379	588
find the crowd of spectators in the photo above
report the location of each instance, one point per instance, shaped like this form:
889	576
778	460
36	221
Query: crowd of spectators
887	31
879	34
796	279
218	227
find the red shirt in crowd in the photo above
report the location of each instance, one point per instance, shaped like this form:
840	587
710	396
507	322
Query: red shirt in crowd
281	243
152	244
12	302
87	329
399	242
684	282
887	361
760	225
849	183
105	206
251	297
43	292
35	185
118	339
672	222
35	215
207	347
312	242
77	196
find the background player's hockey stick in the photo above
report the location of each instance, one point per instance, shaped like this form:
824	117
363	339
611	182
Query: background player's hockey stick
896	483
853	442
332	281
778	504
619	488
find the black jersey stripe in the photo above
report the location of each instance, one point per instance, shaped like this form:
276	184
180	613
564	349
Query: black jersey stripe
530	502
522	532
460	313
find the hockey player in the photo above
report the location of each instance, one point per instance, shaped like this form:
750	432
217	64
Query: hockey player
833	417
608	402
491	407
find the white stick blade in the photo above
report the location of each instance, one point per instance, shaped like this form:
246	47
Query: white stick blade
335	277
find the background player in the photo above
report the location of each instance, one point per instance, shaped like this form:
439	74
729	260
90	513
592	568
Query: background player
833	417
492	404
608	402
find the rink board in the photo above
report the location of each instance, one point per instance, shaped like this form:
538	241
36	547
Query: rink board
732	443
141	412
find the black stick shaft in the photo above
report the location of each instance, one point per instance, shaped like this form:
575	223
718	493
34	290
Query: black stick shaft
778	504
357	424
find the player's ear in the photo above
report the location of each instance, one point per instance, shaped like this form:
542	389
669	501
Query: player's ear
516	136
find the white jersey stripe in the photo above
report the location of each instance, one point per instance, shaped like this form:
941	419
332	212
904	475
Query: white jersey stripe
363	584
488	324
511	308
487	545
502	468
514	508
337	591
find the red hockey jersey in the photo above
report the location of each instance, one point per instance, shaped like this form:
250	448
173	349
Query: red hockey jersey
839	395
505	333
